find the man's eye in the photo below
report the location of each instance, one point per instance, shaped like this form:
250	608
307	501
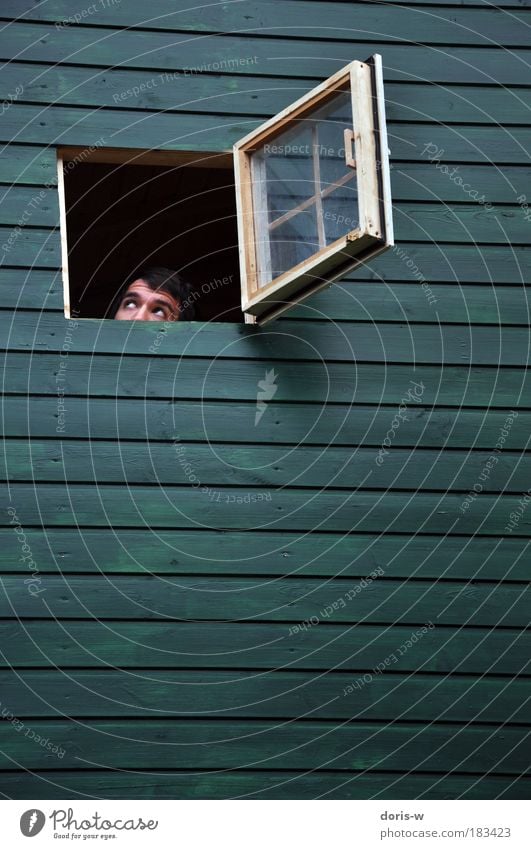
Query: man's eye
129	302
159	311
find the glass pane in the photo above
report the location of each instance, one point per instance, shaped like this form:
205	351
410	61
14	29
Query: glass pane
304	194
293	241
340	212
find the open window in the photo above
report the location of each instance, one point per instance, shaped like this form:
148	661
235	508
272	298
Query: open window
124	209
303	199
313	191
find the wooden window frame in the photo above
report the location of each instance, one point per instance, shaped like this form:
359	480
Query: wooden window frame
374	234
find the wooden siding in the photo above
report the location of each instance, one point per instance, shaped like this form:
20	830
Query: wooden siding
164	655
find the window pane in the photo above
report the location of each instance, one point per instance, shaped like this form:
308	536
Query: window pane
293	241
304	194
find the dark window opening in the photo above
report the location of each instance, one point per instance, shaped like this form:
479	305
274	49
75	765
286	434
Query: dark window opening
121	217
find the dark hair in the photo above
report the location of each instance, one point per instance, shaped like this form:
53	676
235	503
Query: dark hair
161	280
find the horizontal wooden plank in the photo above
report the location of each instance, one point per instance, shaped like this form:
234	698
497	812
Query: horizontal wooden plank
508	4
291	423
40	249
24	289
64	125
33	207
64	505
129	645
108	551
434	222
272	56
203	744
398	302
358	300
238	508
254	95
457	264
409	182
225	694
235	380
439	222
265	467
31	247
325	341
28	164
442	25
290	600
260	784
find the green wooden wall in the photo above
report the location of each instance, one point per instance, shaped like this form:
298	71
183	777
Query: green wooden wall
167	618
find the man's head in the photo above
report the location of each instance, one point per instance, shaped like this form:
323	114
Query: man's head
154	294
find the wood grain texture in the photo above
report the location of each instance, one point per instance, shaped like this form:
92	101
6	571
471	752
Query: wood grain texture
264	695
290	600
417	222
161	645
263	467
118	551
443	24
261	784
291	425
204	744
353	343
271	56
128	89
356	300
233	380
86	127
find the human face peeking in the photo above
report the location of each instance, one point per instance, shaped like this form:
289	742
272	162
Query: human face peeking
141	303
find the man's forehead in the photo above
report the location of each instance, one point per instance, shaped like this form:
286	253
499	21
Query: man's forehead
141	286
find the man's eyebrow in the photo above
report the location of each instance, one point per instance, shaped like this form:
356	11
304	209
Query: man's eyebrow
165	302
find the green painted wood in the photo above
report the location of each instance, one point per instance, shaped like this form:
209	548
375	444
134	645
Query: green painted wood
35	206
460	223
175	378
24	289
86	127
202	744
214	507
169	51
315	554
104	784
289	600
31	165
454	263
291	424
254	95
217	645
259	17
31	248
401	301
263	466
509	4
264	695
355	301
409	182
354	342
413	221
274	554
